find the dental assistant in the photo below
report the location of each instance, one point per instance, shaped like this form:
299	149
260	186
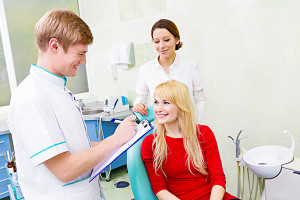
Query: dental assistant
168	66
53	152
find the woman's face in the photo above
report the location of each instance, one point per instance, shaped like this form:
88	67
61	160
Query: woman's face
165	111
164	42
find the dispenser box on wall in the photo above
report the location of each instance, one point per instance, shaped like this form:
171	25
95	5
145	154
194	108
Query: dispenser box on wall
115	104
124	55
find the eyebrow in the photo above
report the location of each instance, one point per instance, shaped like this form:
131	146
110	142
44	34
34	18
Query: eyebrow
162	100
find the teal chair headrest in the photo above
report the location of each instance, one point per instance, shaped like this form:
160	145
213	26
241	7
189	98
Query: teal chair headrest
149	117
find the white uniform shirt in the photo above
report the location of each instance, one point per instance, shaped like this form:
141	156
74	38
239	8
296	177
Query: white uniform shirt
45	121
183	70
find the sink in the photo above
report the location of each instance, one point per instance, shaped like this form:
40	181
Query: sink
266	161
91	111
92	108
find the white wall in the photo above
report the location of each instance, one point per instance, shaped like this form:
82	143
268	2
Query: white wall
248	52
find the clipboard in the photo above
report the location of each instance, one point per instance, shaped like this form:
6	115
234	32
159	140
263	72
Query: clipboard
142	128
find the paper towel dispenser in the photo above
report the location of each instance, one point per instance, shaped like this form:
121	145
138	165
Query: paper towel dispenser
124	55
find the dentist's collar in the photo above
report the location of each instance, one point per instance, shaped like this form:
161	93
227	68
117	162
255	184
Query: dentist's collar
176	62
52	77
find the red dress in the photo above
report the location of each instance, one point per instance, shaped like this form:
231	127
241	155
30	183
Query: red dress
180	181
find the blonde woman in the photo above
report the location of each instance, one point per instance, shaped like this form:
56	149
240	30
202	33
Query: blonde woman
181	157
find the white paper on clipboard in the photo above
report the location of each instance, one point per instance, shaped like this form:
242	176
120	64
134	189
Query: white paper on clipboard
143	128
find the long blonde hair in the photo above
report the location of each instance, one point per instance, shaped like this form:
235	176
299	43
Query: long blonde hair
177	93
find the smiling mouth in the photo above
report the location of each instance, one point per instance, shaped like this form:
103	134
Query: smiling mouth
162	115
164	51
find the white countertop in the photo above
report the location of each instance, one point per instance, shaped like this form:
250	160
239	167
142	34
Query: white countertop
3	127
108	117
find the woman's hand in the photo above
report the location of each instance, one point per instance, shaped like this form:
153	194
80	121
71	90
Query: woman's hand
140	108
217	192
166	195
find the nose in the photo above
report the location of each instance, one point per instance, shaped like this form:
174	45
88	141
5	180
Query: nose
159	107
161	45
83	60
156	108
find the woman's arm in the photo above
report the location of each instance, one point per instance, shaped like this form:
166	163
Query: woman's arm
142	92
141	98
157	179
198	93
66	166
217	193
199	105
214	164
94	143
166	195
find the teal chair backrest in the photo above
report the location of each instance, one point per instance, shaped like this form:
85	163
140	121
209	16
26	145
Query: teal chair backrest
138	176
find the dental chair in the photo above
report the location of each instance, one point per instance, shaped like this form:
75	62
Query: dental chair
138	176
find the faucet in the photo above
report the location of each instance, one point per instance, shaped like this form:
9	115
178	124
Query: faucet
237	145
80	104
237	142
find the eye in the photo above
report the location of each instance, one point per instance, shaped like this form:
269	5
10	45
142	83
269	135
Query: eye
166	102
155	102
167	40
156	42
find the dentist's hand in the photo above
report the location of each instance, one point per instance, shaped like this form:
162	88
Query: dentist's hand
140	108
126	130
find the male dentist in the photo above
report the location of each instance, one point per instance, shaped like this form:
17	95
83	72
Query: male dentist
53	152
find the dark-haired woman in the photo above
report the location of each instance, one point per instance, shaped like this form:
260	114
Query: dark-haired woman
168	66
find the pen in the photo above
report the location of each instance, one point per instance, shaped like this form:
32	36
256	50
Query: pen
116	103
116	120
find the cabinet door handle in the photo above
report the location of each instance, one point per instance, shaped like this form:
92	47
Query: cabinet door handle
296	172
3	193
4	180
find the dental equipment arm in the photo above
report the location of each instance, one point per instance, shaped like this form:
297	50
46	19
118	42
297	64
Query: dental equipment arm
166	195
67	167
217	193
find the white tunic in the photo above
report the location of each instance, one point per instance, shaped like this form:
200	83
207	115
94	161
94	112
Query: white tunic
45	121
183	70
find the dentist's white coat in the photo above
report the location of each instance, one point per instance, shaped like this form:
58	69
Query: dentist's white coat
45	121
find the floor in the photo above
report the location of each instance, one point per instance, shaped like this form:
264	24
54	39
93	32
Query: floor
111	191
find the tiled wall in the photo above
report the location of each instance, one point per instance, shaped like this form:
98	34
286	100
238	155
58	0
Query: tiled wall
248	52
